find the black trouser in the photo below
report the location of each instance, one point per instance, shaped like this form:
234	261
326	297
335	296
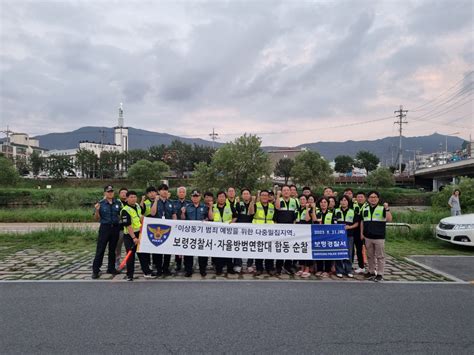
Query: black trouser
162	263
269	264
307	263
288	264
108	234
189	263
358	245
178	259
142	257
221	262
324	265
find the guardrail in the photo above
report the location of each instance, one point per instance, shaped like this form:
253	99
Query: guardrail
399	225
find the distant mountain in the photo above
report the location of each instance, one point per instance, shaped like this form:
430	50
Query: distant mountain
138	138
385	148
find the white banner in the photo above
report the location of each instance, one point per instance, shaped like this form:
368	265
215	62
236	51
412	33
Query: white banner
243	240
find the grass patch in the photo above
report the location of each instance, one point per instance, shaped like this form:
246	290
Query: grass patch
64	239
420	241
46	215
420	217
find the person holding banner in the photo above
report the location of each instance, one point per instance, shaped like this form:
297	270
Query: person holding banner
244	215
373	229
306	212
346	215
163	208
286	213
264	213
131	220
195	211
178	205
223	212
324	216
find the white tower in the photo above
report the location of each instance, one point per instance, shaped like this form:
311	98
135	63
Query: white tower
121	132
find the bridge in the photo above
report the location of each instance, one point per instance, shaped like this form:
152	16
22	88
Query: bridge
440	175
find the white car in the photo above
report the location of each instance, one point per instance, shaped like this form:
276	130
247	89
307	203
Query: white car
457	229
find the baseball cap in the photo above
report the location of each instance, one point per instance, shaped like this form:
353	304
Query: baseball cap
195	193
108	188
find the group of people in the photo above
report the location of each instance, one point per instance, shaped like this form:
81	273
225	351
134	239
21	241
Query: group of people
362	214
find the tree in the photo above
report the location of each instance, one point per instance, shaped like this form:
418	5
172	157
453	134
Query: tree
36	162
311	169
144	172
381	177
9	176
344	164
87	163
57	165
157	152
241	163
134	155
179	158
283	168
22	166
366	160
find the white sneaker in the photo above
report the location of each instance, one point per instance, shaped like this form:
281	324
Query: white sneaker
350	275
237	269
250	270
359	271
339	275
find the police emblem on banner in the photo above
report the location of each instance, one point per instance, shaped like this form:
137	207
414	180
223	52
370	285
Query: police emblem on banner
158	233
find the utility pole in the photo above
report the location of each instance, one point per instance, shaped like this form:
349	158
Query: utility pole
401	114
213	136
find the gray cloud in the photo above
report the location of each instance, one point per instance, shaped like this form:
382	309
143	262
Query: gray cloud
68	64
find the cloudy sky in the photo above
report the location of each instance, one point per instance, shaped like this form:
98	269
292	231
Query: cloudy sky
292	71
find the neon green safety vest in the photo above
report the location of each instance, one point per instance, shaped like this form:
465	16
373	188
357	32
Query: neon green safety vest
377	216
292	204
227	215
350	214
148	205
358	209
260	217
328	218
135	215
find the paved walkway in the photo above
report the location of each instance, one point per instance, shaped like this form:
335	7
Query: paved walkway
31	264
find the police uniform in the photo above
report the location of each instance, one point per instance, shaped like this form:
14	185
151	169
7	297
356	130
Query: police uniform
287	214
118	248
196	213
358	242
224	214
327	217
164	210
131	216
109	230
374	219
264	215
348	217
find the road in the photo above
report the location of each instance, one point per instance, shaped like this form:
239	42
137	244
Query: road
252	317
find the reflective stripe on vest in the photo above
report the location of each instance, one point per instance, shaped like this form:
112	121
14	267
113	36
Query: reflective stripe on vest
227	215
135	215
328	218
260	217
291	205
349	215
376	217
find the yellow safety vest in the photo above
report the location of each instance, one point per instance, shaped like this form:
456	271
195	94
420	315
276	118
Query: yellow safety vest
260	217
377	216
227	215
328	218
135	215
350	214
148	205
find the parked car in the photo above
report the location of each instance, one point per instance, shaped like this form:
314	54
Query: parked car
457	229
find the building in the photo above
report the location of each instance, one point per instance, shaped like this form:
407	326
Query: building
285	153
20	146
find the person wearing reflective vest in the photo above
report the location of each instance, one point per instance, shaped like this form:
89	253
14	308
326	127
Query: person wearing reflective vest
264	214
286	213
324	216
244	215
146	203
131	220
118	249
359	247
373	228
306	215
223	212
346	215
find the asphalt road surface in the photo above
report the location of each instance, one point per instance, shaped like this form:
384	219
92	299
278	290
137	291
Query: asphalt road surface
461	267
251	317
